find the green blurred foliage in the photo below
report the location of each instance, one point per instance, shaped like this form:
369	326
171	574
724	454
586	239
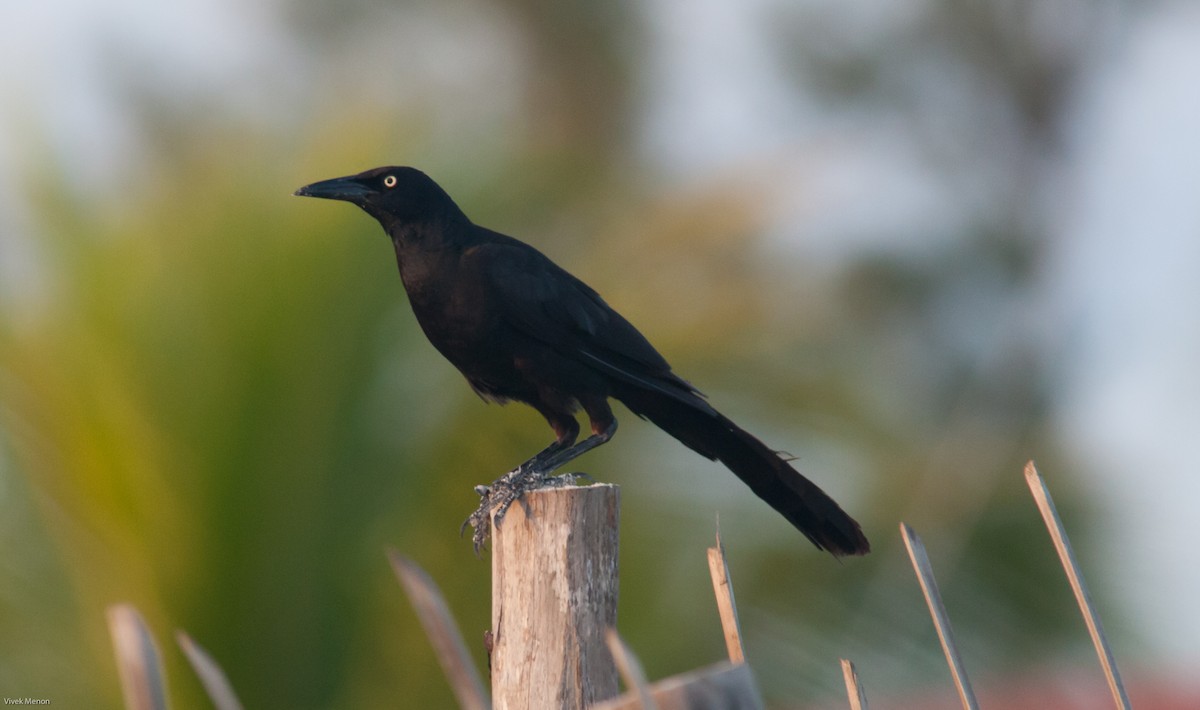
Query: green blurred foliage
221	410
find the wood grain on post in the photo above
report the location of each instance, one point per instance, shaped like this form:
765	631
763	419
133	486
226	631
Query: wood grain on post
554	594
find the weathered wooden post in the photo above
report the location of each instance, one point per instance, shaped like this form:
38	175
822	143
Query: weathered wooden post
554	595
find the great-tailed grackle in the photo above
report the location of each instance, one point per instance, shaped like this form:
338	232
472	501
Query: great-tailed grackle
521	328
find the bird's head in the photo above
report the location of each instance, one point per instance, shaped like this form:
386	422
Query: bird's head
396	196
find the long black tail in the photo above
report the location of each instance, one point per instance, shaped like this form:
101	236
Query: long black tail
709	433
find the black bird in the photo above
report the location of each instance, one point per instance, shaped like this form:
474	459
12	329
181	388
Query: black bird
521	328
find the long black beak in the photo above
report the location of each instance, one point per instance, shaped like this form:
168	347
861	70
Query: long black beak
343	188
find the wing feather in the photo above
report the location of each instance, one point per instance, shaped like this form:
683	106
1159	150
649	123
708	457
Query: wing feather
545	302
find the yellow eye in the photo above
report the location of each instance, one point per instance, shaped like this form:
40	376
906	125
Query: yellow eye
389	181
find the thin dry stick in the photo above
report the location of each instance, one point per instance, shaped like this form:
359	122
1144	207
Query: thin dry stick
854	689
1045	504
443	633
941	620
630	669
216	684
138	660
726	607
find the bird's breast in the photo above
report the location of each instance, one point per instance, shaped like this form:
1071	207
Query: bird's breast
452	308
455	319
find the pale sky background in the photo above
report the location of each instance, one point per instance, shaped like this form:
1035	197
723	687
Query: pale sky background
1119	307
1125	283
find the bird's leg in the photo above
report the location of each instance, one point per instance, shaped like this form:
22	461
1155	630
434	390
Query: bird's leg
533	474
536	473
529	475
554	447
570	453
529	465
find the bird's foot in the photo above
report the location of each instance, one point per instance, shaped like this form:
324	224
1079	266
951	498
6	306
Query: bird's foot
501	494
505	491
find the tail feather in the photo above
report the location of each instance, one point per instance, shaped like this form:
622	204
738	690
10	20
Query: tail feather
711	434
